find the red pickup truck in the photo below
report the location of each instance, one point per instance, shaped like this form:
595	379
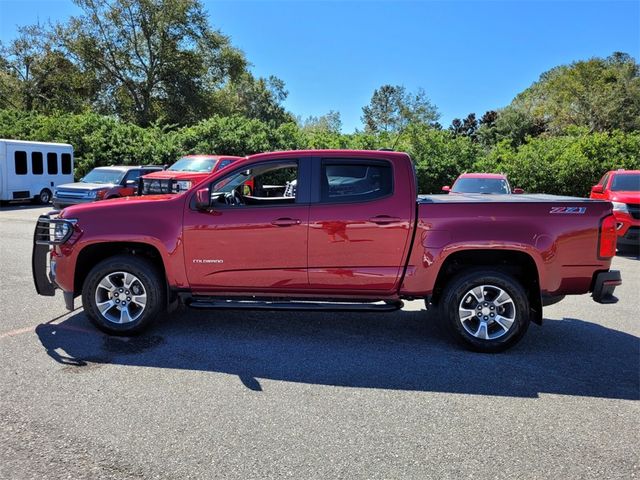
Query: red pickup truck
183	174
345	233
622	188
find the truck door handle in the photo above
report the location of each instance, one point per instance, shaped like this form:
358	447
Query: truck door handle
384	219
285	222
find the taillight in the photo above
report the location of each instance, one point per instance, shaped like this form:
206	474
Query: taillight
608	237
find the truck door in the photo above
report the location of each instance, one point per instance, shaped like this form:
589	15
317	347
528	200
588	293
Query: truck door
251	241
359	229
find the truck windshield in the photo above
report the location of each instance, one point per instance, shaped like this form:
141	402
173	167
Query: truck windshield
626	182
103	175
186	164
481	185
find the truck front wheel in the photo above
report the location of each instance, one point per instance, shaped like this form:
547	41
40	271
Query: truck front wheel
486	310
123	294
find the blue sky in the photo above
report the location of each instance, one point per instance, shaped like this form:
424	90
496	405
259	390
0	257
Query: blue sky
468	56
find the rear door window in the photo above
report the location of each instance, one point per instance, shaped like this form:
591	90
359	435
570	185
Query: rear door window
132	175
355	181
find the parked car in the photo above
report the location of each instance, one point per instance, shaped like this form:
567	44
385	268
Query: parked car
102	183
32	170
481	183
622	188
350	236
183	174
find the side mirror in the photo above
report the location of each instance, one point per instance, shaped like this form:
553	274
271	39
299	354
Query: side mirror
203	199
446	188
518	191
597	189
131	183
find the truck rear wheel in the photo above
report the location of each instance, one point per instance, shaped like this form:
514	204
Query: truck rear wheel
486	310
123	294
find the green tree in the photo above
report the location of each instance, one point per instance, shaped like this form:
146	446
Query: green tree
392	108
329	122
516	125
467	127
35	76
601	94
10	95
157	60
439	155
255	98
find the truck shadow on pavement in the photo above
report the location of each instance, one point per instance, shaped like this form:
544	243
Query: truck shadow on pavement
401	351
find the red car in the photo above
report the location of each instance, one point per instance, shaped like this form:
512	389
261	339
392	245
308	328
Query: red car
183	174
329	230
622	188
481	183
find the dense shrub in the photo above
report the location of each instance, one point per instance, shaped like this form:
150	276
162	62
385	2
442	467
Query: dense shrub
567	164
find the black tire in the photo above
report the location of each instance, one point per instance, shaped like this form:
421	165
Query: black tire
151	283
493	336
44	198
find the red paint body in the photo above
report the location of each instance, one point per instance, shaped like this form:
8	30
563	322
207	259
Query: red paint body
628	216
341	250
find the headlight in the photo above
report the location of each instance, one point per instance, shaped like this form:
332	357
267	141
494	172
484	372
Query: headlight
620	207
97	193
182	185
61	231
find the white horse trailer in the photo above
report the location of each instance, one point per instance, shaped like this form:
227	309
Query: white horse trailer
31	170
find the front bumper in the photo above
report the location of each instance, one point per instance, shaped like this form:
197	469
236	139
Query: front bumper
60	203
624	222
40	267
43	268
604	285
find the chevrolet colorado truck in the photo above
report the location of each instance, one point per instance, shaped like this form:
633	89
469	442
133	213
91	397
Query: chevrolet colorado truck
352	235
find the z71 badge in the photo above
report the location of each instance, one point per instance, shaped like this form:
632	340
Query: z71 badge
569	210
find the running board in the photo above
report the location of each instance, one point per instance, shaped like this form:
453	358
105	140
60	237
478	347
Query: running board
225	304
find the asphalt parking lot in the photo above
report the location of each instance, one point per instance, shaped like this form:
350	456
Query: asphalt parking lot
302	395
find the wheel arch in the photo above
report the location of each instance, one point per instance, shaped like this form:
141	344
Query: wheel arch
93	253
516	263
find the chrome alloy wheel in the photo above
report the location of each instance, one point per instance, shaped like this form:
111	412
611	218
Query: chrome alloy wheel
121	297
487	312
